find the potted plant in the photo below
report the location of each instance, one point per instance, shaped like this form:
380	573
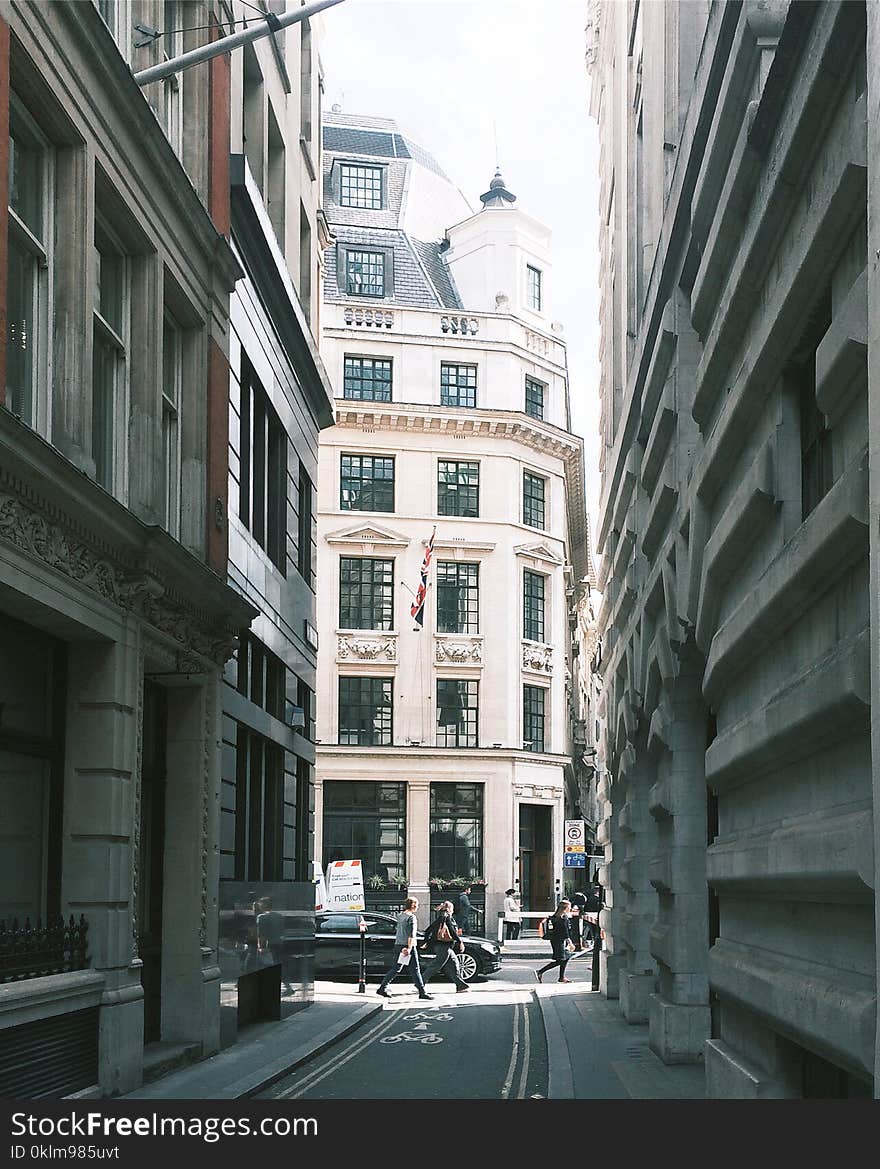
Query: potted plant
436	882
375	882
400	882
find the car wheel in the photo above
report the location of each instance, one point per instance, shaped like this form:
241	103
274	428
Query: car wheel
468	965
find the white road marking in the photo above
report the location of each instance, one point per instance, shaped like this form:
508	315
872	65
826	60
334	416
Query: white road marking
524	1074
315	1077
508	1079
408	1037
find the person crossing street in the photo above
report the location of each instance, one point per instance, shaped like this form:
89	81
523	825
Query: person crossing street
405	953
442	933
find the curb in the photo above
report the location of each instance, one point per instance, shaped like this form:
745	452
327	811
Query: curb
560	1079
250	1085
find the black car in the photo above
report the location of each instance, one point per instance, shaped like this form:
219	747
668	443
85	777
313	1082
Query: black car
338	941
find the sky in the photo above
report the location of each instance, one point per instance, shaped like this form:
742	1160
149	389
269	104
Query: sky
461	75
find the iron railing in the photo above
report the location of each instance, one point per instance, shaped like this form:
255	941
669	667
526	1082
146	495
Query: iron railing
32	951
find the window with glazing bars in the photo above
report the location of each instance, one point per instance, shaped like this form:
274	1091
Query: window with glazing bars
456	713
365	712
365	593
365	273
458	597
262	676
458	385
533	717
262	505
360	186
533	606
366	820
533	500
456	830
458	488
534	287
367	483
534	398
367	379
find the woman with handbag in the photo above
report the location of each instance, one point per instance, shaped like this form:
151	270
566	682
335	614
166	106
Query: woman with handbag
442	933
557	930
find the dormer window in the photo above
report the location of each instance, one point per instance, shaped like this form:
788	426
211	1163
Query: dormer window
360	186
365	273
534	292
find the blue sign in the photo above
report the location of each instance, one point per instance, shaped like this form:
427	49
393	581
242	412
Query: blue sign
575	860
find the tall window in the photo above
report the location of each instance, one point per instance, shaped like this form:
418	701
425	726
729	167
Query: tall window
458	385
110	342
366	821
306	528
172	372
172	87
458	597
116	16
458	488
30	266
365	273
366	483
365	711
259	808
456	830
360	186
263	488
534	398
534	488
367	379
366	593
533	718
533	606
262	676
534	287
456	713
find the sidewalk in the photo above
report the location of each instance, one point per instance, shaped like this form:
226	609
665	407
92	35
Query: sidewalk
593	1054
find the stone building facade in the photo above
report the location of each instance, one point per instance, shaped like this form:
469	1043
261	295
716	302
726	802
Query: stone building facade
739	307
443	748
115	615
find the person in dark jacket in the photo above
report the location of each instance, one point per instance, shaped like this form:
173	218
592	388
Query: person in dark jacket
442	936
557	930
580	927
463	910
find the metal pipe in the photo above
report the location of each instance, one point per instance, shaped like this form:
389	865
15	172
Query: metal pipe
271	23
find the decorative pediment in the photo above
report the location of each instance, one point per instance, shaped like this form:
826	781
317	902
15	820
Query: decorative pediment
364	648
539	552
459	542
368	534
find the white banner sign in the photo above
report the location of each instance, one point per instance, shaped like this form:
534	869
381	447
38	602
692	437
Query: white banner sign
345	886
575	836
320	888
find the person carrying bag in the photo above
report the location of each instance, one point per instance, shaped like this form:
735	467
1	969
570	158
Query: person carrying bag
443	932
557	930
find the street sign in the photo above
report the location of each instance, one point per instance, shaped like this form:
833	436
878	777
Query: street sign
575	836
345	886
574	860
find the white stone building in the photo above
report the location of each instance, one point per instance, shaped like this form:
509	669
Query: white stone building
442	749
739	246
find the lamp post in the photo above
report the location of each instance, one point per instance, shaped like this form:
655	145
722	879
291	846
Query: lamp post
362	980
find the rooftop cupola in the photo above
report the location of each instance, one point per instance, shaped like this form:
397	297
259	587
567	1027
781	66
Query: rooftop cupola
498	194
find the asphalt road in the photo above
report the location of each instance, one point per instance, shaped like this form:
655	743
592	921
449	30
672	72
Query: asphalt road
483	1045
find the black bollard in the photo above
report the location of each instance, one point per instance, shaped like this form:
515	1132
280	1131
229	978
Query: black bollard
362	980
597	946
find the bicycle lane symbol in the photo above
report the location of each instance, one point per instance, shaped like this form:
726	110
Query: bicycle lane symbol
428	1037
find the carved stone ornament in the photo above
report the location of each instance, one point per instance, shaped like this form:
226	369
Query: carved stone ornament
142	595
537	657
367	649
461	652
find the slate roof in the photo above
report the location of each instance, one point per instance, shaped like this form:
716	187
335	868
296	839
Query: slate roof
377	144
425	284
438	273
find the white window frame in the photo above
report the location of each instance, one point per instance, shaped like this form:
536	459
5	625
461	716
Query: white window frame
171	406
121	342
42	252
119	24
539	307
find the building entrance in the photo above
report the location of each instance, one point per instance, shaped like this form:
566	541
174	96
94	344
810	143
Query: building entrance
536	857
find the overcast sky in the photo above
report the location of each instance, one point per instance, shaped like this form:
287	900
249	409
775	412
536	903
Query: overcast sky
459	73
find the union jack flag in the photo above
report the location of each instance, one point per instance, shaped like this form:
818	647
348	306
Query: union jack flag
417	608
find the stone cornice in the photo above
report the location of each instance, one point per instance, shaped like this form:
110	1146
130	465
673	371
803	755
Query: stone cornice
367	534
539	551
56	515
419	418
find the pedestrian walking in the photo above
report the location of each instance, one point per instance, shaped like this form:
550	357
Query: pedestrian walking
512	916
442	934
579	923
405	953
557	930
463	910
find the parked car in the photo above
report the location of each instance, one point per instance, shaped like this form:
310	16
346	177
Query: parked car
338	941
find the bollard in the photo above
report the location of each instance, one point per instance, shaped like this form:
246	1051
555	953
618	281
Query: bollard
597	947
362	980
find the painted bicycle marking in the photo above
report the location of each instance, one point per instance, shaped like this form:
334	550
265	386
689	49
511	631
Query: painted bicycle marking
409	1037
443	1017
